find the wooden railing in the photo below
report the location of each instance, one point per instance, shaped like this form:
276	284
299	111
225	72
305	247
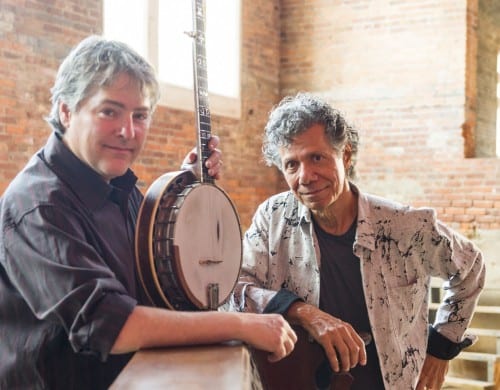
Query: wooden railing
223	367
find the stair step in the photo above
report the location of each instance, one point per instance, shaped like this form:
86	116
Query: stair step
478	356
468	360
485	332
453	383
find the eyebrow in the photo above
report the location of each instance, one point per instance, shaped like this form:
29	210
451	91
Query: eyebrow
121	105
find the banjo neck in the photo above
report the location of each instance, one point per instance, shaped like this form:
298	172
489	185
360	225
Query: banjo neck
202	111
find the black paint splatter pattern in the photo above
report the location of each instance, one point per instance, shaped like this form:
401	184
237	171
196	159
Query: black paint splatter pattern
400	249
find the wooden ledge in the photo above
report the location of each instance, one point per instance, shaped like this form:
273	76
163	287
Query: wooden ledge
223	366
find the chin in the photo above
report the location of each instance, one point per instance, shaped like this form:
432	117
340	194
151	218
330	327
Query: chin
111	174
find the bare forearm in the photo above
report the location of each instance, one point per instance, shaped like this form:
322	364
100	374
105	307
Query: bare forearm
154	327
298	313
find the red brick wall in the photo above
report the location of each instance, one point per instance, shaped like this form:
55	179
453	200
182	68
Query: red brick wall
404	72
398	72
36	34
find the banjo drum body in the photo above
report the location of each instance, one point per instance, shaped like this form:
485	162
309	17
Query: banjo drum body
188	243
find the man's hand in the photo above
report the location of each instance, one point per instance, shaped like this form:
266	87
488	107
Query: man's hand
269	332
432	374
338	338
213	163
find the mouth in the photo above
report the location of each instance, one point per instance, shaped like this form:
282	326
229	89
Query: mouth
120	149
311	193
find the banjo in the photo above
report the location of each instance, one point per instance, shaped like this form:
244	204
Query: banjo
188	247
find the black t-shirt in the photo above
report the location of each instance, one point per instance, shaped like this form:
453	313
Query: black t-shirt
342	296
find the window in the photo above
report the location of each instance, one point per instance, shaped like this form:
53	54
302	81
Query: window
156	29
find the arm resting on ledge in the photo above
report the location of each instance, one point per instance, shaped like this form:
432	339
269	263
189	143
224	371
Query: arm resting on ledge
149	327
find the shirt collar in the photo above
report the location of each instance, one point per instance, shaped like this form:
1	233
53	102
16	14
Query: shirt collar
87	184
364	231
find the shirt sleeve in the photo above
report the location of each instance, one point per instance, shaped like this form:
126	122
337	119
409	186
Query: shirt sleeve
64	280
442	348
460	264
281	302
251	292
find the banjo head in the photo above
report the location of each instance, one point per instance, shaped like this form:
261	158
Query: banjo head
188	244
207	241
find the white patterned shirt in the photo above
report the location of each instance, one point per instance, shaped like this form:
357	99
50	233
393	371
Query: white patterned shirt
400	249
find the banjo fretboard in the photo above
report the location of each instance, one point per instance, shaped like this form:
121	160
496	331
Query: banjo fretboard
203	123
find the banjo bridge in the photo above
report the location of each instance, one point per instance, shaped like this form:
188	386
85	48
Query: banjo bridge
209	261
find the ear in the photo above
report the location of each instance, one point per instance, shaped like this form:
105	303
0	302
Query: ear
64	114
346	156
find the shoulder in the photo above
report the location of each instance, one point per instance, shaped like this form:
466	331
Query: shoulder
377	215
379	207
34	186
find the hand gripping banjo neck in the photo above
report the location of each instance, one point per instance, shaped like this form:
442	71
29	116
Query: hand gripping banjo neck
188	245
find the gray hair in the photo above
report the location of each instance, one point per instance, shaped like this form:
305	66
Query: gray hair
296	114
94	63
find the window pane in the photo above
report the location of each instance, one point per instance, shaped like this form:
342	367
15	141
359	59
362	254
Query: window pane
126	23
175	50
222	45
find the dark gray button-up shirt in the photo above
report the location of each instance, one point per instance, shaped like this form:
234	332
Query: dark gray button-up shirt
67	279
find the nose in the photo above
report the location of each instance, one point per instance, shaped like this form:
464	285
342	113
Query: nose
306	174
127	130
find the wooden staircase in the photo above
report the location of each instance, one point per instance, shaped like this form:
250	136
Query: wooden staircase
478	366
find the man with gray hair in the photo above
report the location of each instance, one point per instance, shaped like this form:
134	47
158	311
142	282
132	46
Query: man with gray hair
341	263
71	312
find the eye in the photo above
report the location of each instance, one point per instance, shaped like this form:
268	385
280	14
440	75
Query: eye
108	112
317	157
290	166
141	116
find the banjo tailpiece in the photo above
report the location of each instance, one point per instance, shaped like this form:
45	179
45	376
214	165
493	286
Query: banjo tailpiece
188	245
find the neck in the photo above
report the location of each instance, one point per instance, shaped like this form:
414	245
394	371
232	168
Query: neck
338	217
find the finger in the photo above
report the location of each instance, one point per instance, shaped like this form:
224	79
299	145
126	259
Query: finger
426	384
278	354
214	164
191	157
366	339
214	158
360	351
216	170
354	355
344	355
420	385
292	335
213	142
332	356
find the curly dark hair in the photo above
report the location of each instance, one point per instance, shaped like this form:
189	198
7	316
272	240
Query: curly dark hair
296	114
